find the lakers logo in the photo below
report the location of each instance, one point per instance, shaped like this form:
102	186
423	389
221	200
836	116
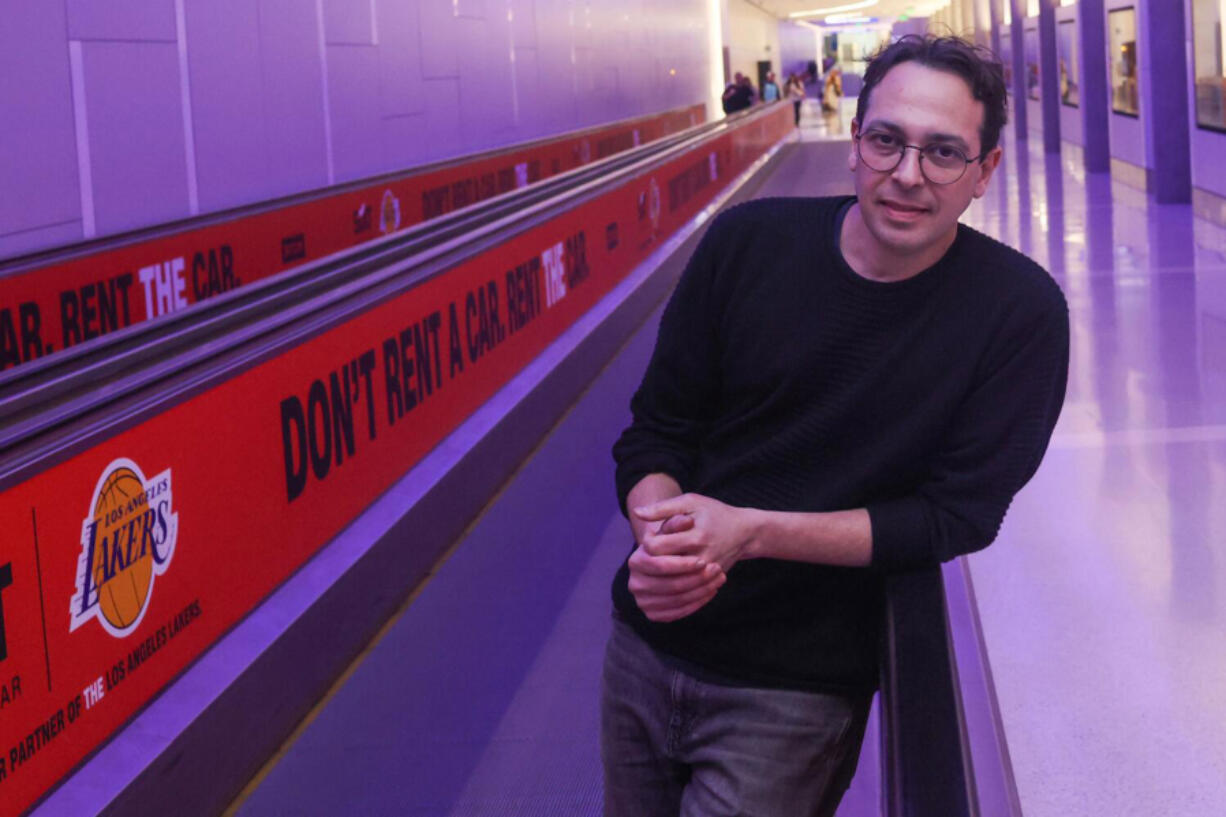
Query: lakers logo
127	540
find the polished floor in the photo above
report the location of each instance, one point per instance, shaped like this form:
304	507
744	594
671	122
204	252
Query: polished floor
1103	602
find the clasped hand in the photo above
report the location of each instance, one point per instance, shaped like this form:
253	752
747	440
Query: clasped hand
687	544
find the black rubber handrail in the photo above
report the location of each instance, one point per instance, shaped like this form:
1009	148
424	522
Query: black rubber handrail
926	758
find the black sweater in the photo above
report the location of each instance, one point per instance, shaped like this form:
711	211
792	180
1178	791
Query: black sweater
782	380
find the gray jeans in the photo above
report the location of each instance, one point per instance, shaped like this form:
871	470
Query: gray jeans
675	745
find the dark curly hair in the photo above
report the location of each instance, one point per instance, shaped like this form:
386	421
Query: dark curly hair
975	64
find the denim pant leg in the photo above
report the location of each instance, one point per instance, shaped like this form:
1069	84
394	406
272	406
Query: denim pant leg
770	752
674	745
642	778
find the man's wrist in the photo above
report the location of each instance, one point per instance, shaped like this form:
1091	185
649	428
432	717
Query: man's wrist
757	524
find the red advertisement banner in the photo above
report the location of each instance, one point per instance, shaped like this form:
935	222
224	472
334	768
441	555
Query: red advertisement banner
55	305
122	564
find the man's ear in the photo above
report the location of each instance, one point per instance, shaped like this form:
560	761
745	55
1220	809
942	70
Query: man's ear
852	157
986	168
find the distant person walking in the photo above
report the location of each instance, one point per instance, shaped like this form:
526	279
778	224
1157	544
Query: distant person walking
795	91
770	88
832	90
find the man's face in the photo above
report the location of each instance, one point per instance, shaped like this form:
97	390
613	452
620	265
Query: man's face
903	211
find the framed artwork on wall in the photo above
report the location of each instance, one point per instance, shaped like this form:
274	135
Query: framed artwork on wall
1066	54
1208	70
1122	52
1030	42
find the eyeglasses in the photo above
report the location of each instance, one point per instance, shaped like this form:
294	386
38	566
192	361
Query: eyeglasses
940	163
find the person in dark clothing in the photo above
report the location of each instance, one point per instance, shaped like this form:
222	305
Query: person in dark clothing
739	94
841	388
794	90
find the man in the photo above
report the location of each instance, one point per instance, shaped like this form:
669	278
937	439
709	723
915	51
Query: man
841	388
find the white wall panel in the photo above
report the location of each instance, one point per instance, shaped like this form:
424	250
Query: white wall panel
555	50
532	104
351	22
752	35
438	39
135	134
292	78
227	102
523	23
475	9
400	65
279	96
487	112
32	240
38	165
403	140
353	82
151	20
441	130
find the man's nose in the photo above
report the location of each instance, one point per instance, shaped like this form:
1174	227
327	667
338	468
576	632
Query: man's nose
909	172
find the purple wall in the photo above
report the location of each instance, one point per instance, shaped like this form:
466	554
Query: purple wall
1049	77
41	203
1095	95
1020	112
1207	147
1166	125
797	46
126	113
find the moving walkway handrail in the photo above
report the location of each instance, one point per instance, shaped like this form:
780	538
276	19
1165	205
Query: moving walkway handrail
37	259
926	762
383	250
50	405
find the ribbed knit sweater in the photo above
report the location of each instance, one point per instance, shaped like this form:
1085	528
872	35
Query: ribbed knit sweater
783	380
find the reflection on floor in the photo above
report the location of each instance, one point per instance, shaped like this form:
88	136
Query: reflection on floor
817	125
1104	600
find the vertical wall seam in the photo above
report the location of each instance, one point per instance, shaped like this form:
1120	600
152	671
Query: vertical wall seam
323	72
374	22
185	96
514	67
81	122
266	136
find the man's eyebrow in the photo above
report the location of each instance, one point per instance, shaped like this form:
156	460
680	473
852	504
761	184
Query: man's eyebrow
950	138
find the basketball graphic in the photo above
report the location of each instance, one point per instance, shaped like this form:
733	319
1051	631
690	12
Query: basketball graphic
127	540
122	597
